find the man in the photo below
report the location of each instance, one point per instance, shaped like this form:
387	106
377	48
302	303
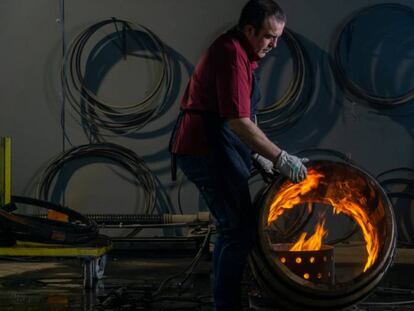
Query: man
216	134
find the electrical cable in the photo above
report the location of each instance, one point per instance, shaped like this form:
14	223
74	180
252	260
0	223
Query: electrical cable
286	111
409	196
103	114
394	291
199	300
155	296
189	269
350	87
65	138
389	180
390	303
120	299
399	170
322	153
122	156
180	187
398	181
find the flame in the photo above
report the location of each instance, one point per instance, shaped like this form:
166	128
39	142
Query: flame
344	197
314	243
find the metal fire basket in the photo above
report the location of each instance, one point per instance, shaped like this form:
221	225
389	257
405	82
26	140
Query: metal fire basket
314	266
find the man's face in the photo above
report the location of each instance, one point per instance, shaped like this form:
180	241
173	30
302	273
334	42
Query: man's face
265	39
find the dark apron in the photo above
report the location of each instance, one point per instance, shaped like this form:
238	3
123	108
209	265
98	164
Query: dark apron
229	163
228	153
231	155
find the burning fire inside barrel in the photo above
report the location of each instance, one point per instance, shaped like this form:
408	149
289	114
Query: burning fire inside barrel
296	259
308	258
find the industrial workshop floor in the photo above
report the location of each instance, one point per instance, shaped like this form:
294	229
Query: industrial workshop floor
128	284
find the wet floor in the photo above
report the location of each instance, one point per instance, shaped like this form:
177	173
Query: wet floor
128	284
134	283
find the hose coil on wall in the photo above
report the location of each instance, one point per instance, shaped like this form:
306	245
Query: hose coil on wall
107	115
122	156
352	90
399	185
286	111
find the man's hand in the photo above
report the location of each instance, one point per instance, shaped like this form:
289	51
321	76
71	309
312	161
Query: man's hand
288	165
263	164
292	167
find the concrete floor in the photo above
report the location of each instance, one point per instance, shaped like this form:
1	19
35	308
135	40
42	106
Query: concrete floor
128	283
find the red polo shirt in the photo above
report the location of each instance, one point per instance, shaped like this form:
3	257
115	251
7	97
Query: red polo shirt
222	84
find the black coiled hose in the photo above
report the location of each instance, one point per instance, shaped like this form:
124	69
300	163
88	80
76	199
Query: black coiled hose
285	112
351	89
109	116
399	185
122	156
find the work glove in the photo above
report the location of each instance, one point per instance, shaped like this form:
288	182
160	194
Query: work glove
262	164
291	166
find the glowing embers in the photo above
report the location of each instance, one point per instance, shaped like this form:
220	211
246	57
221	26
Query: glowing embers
315	266
349	195
309	258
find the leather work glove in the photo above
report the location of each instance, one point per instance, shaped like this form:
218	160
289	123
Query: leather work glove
263	164
291	166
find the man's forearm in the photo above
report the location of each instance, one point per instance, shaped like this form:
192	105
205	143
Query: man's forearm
254	137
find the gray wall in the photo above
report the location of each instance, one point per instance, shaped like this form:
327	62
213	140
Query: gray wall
34	33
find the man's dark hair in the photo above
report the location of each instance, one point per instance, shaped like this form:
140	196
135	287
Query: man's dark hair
256	11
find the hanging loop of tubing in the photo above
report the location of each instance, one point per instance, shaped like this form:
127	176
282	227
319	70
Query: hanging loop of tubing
103	114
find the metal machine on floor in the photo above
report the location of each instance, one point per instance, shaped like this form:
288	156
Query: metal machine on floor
73	235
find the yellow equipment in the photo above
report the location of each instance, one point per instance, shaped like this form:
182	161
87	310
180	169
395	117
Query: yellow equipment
5	170
92	254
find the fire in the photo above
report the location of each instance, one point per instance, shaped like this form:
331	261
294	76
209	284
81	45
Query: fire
314	243
344	197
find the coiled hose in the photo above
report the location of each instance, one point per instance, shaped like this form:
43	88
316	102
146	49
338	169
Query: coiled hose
102	114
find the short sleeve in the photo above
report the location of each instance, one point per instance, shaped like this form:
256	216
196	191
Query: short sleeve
233	81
